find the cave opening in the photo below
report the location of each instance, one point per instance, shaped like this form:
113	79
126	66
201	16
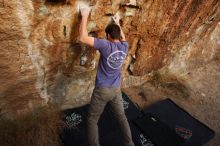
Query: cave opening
173	52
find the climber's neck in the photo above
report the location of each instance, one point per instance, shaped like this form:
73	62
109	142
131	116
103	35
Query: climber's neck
113	40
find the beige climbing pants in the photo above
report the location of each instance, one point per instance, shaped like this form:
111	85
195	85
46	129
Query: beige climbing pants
100	97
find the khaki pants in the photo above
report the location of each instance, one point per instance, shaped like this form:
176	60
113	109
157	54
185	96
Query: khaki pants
100	97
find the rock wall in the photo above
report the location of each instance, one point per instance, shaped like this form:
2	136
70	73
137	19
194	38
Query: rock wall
42	61
19	77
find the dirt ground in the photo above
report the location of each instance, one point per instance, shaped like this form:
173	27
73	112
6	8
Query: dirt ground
204	109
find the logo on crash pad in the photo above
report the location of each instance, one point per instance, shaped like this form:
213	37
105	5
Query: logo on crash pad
145	141
183	132
115	59
125	104
73	120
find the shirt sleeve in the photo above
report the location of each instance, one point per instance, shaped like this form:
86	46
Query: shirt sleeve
100	44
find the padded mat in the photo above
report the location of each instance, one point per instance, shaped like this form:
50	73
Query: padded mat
109	131
158	131
170	116
190	129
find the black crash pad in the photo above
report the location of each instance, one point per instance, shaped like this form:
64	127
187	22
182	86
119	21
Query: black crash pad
190	129
109	131
157	131
167	113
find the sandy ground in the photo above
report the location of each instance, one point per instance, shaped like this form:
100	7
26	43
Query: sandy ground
204	109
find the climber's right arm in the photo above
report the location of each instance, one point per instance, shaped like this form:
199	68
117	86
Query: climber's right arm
84	37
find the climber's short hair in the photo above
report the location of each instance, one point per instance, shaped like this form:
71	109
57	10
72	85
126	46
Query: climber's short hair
113	30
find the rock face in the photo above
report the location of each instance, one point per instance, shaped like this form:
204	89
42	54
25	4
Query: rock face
42	61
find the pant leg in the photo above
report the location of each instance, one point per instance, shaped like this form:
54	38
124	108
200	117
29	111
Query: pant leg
118	110
96	108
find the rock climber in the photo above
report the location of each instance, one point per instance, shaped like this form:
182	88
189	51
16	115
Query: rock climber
113	52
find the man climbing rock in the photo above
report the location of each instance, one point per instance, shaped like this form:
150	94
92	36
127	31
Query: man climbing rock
113	52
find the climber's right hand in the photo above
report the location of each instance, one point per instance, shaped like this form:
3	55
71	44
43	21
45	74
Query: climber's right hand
84	11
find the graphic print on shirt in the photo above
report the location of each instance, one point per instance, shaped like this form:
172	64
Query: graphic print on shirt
115	59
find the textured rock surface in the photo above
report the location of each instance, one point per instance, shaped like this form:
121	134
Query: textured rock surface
42	62
20	88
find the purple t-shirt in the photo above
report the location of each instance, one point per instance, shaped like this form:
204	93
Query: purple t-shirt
112	56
